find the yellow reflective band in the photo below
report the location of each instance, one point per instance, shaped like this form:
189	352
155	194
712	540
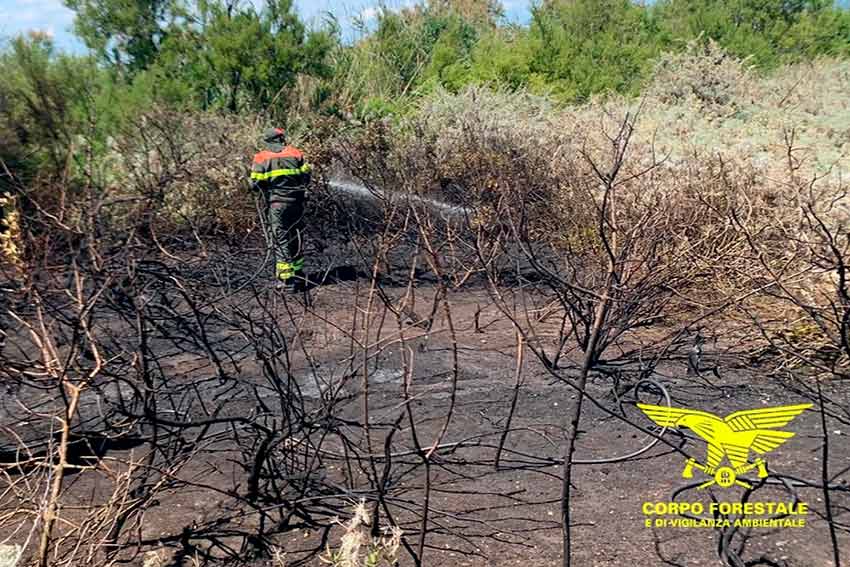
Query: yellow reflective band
284	271
281	172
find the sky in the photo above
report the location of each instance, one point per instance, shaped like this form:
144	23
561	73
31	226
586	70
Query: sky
52	17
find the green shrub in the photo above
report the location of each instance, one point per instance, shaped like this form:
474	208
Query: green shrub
770	32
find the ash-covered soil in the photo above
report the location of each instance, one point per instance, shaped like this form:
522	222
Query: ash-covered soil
459	380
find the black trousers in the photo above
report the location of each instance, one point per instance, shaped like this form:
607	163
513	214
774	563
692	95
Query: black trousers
286	223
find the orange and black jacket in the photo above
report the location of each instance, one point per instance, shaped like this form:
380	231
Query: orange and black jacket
279	173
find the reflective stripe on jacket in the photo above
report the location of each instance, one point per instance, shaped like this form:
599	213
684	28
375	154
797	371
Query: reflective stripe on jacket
280	171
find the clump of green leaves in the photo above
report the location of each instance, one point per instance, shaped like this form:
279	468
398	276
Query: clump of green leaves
769	32
239	58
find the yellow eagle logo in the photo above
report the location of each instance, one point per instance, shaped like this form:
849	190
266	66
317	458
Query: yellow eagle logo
732	437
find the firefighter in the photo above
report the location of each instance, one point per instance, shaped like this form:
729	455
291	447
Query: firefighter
282	175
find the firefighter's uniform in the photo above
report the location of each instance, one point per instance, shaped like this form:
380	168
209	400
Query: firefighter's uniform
281	173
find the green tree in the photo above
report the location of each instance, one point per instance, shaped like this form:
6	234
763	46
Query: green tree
39	88
451	39
126	34
54	106
240	58
476	12
583	47
503	58
767	31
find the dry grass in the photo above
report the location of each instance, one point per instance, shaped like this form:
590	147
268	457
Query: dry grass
358	548
10	233
744	176
10	555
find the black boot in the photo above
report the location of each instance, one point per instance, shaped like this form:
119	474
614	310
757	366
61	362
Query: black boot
296	283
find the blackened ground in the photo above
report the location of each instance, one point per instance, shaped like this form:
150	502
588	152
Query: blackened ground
480	516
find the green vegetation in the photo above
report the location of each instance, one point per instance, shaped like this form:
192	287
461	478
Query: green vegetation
631	174
265	65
